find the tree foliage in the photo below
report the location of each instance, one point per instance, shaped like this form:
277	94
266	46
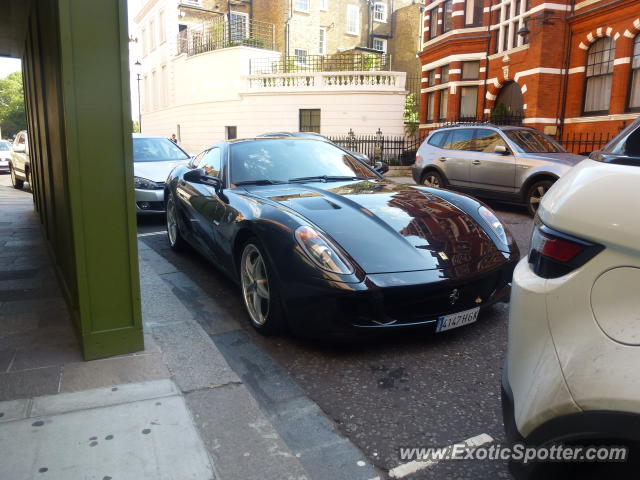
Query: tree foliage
12	116
411	114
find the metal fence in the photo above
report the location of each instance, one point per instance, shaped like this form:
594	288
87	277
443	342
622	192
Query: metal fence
225	33
584	143
394	150
340	62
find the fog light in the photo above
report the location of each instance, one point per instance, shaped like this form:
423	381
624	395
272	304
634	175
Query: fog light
144	205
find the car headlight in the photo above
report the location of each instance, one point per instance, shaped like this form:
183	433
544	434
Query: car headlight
144	183
493	223
321	251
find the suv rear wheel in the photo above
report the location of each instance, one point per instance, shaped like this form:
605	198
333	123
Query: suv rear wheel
432	179
534	194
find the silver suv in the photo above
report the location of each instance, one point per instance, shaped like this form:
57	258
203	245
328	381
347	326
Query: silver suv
513	164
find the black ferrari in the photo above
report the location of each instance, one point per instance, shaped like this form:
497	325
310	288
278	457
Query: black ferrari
321	243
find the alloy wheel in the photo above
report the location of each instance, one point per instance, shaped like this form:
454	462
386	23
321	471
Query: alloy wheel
432	181
172	223
536	196
255	284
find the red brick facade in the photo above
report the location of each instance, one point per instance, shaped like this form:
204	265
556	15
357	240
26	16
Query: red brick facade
549	64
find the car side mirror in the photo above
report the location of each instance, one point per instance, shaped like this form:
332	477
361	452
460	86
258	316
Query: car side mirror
381	167
20	148
501	150
199	175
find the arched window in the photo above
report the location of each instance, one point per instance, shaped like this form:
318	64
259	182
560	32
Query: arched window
599	76
634	96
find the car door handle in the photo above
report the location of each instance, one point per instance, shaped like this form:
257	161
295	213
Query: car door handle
476	162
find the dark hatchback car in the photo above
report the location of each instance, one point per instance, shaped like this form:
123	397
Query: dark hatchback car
321	243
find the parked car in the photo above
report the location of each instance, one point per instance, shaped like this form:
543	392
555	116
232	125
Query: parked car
514	164
5	155
321	243
20	164
380	167
572	373
153	159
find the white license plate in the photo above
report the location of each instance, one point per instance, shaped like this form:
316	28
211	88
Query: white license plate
455	320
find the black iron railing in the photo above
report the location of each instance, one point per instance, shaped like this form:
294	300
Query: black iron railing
222	33
340	62
585	142
394	150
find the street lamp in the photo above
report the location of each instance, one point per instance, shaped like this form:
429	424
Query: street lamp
541	18
138	65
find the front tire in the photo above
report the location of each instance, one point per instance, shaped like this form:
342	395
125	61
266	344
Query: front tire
432	179
176	241
535	193
259	290
15	181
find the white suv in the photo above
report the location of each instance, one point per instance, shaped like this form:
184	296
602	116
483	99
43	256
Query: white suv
573	364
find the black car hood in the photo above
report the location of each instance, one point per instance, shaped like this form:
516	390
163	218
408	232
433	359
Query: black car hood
387	227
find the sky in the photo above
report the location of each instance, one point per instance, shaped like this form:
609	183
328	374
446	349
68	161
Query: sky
9	65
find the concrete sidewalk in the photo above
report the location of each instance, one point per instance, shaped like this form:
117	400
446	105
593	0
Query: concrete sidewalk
176	410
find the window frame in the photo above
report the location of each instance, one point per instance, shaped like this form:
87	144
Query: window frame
311	112
462	77
162	32
635	57
442	115
384	12
434	16
431	98
478	6
447	7
586	112
152	35
298	56
324	5
353	9
322	41
296	3
475	113
384	43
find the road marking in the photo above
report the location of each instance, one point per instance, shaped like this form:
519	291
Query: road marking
412	467
149	234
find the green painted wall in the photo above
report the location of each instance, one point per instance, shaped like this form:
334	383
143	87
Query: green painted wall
77	94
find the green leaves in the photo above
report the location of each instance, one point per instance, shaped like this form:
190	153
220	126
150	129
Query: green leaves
12	116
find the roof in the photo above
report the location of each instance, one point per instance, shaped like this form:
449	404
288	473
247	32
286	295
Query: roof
483	124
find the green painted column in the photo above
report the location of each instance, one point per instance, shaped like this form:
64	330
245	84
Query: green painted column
98	172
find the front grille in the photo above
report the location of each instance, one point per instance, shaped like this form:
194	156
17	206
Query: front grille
150	205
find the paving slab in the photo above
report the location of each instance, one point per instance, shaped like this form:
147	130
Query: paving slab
147	439
112	371
14	409
243	443
29	383
191	356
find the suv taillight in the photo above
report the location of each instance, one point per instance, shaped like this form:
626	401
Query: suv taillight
418	159
554	254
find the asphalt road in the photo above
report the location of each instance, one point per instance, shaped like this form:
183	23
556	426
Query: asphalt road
401	391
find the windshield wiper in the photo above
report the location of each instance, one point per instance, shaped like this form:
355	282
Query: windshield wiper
260	182
326	178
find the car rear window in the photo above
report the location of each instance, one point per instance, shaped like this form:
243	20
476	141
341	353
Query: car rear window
437	139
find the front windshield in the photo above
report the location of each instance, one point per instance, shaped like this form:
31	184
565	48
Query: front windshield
283	160
529	141
4	146
156	150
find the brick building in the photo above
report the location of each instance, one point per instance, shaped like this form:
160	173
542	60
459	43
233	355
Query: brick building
563	67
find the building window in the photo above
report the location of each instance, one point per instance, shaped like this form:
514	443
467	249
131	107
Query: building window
473	13
230	133
154	91
380	44
239	26
380	12
430	106
433	23
324	5
322	41
161	27
152	35
301	5
444	74
634	99
599	76
511	19
301	56
468	102
310	120
431	76
143	38
444	104
353	19
164	87
447	10
470	70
